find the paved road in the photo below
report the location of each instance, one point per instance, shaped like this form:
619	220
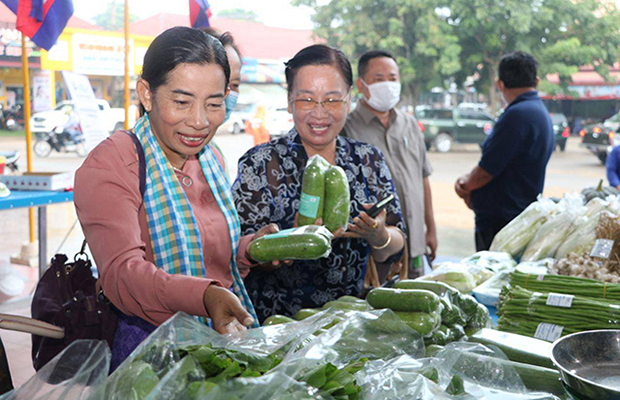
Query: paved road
569	171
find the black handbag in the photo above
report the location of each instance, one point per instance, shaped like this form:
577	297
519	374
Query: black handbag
66	296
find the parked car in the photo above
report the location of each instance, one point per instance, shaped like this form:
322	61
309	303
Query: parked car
442	127
560	129
278	121
47	121
234	125
245	111
600	139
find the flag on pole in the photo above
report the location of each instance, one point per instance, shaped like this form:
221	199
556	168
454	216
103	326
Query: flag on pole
11	4
41	20
199	13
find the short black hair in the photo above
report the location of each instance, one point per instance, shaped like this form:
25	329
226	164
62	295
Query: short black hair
518	70
318	54
362	64
225	38
180	45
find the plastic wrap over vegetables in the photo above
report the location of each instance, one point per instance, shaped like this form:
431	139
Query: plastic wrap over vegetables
515	236
493	260
78	373
595	206
456	275
185	359
581	240
458	371
556	229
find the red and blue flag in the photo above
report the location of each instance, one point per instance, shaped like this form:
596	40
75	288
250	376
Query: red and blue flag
199	13
41	20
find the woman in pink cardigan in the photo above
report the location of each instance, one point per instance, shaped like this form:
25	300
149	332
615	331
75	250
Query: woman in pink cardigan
178	247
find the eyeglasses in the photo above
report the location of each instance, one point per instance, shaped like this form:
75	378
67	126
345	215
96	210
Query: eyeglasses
329	104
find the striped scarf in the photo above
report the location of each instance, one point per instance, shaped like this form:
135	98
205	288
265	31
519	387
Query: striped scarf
173	229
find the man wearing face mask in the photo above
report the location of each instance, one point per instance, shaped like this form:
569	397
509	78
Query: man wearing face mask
397	135
511	171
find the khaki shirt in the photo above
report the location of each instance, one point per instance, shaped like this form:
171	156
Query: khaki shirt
403	146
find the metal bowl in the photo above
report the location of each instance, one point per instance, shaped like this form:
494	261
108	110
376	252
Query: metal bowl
589	363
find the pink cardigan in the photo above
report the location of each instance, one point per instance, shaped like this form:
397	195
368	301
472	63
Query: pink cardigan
109	206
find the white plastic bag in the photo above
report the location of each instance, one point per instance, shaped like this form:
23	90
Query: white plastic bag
515	236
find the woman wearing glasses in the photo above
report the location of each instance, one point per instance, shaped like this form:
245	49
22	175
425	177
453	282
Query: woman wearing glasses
268	188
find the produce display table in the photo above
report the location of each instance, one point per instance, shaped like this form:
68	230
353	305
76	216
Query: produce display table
493	314
39	199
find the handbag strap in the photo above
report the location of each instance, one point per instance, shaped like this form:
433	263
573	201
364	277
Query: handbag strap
141	161
141	178
400	267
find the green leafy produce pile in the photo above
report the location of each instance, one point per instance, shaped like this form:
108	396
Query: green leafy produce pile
203	368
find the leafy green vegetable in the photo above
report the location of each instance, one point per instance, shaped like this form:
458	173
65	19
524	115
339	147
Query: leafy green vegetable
456	386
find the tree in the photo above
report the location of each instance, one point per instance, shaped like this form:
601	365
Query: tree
422	43
238	13
563	35
113	18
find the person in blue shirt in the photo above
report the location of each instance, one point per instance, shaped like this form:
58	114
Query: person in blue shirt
511	171
613	167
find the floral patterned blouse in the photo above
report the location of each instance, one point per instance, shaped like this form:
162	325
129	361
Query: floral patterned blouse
267	190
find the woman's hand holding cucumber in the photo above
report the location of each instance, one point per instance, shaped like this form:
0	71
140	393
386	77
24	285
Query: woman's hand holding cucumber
266	230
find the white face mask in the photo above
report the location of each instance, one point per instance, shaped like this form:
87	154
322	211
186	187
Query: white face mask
383	95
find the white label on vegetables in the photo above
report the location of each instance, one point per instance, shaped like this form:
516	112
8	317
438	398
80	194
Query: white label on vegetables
548	332
602	248
560	300
540	277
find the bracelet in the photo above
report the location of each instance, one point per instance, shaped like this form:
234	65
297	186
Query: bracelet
387	243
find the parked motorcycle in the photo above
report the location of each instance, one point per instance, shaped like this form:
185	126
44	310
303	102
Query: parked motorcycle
13	118
11	160
64	139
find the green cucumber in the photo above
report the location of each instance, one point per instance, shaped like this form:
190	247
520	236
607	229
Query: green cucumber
451	313
404	299
345	306
439	288
306	313
481	319
523	349
303	243
468	305
312	191
277	319
351	299
423	323
534	377
432	350
337	199
439	337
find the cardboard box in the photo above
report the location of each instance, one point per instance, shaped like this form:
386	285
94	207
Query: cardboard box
57	181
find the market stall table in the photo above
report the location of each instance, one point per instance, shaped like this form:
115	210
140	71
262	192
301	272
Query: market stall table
39	199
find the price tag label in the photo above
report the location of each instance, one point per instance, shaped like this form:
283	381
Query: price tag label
602	248
548	332
560	300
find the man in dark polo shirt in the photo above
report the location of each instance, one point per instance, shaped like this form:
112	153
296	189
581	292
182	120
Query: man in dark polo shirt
511	171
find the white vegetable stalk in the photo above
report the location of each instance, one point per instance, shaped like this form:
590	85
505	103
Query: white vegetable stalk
515	236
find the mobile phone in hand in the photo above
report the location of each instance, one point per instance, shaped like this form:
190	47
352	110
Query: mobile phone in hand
380	205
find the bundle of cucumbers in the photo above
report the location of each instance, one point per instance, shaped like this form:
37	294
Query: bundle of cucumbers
304	243
324	195
437	311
